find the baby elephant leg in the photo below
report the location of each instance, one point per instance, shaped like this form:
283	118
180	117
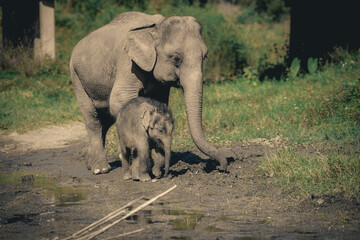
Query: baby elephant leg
125	167
135	169
139	169
159	162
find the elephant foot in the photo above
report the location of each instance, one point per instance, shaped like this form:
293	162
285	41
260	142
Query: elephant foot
100	167
156	172
142	177
97	164
145	177
138	175
127	175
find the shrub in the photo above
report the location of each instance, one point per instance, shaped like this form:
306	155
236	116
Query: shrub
273	8
20	60
312	65
269	9
294	68
250	15
141	5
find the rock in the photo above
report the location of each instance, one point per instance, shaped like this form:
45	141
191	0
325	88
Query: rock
320	201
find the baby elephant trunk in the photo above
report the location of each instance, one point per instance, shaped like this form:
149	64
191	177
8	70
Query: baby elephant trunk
167	148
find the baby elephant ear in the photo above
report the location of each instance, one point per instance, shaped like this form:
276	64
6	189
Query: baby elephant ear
146	111
140	46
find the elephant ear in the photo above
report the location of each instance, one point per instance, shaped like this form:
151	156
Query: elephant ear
140	46
146	111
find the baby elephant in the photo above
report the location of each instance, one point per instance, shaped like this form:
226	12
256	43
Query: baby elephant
144	128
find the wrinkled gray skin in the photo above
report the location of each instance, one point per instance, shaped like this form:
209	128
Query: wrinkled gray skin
139	55
144	128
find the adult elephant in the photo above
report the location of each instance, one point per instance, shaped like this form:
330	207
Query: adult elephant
139	55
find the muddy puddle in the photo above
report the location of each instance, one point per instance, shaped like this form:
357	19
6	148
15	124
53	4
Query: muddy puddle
49	194
63	196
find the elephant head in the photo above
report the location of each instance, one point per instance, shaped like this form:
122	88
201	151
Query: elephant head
173	50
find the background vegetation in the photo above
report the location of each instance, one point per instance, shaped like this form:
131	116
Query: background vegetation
249	91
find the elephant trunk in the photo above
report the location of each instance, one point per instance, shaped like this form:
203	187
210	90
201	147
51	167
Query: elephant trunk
192	82
167	148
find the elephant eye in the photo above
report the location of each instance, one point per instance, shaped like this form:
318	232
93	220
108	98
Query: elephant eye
175	59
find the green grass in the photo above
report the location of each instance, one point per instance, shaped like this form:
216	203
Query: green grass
28	103
305	176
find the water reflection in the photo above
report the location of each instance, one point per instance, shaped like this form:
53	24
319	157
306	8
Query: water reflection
63	196
188	222
68	196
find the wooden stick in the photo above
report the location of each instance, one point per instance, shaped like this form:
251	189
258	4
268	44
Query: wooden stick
125	234
92	235
102	220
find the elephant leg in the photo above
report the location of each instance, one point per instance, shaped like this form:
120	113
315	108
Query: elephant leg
97	123
124	162
135	169
97	129
159	161
143	169
140	166
138	172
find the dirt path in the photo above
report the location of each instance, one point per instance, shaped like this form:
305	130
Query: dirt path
46	192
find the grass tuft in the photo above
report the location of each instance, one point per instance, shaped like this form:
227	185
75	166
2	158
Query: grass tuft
330	174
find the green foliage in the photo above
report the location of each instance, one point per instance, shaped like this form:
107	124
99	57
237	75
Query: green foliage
294	68
273	8
312	65
250	15
250	75
133	4
259	10
63	19
90	8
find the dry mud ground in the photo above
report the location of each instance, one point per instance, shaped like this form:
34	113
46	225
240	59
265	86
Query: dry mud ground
46	192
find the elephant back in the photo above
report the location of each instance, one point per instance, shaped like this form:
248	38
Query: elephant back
133	20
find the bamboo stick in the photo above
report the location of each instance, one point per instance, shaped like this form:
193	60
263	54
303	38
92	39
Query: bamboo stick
103	220
94	234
